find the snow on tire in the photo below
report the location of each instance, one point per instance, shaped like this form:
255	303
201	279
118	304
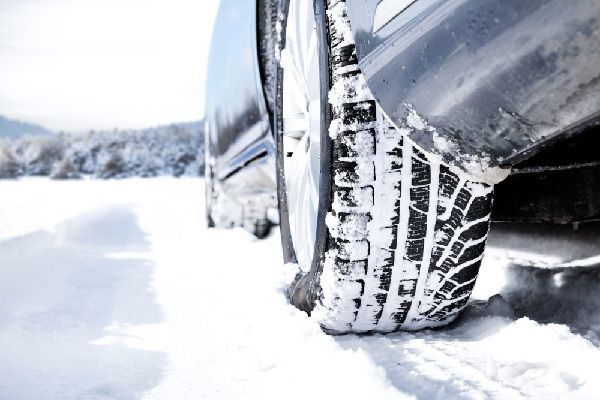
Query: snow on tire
406	233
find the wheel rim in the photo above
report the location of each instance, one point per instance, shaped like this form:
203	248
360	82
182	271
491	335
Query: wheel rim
301	117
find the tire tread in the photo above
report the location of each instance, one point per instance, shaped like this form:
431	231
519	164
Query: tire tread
406	234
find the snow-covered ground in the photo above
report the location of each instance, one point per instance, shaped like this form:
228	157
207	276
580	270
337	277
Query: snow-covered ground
116	290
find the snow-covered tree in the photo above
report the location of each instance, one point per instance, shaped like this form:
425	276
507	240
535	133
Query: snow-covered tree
9	167
174	150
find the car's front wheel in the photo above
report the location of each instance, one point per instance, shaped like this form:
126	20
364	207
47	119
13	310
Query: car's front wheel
385	236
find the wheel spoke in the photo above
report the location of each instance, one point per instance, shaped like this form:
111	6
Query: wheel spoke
295	127
312	68
296	90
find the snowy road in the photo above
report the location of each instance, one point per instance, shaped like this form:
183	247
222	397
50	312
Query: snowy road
115	290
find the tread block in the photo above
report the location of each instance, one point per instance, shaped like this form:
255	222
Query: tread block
350	268
354	144
353	225
421	173
346	75
358	113
462	199
451	308
417	226
471	252
448	182
353	196
446	288
475	232
380	298
464	290
467	273
402	309
384	267
352	250
344	55
480	207
414	249
351	173
407	288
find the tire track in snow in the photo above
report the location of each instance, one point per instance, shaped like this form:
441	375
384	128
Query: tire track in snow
228	331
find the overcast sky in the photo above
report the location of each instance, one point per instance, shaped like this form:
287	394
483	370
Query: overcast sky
76	65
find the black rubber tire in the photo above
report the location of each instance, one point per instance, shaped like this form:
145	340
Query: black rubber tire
400	235
208	195
267	45
262	228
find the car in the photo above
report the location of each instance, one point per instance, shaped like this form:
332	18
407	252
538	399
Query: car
390	133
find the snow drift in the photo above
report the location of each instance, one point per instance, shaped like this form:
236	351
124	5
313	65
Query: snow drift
116	290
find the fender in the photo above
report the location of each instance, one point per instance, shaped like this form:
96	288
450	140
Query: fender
482	83
237	121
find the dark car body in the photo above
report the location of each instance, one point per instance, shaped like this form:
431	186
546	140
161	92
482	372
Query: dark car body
239	143
497	78
490	86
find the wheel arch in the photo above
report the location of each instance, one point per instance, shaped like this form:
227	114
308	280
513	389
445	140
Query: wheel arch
508	77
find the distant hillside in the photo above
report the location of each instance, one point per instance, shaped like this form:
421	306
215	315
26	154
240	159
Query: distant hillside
12	129
174	149
193	126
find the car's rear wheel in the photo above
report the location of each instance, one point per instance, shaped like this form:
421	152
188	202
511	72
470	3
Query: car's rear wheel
208	196
386	236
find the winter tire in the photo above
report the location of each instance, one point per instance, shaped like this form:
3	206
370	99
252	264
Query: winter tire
267	43
208	195
261	228
399	236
